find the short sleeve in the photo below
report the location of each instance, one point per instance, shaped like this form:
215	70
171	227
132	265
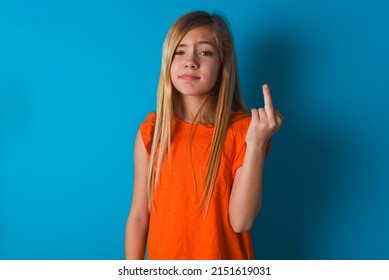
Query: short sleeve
146	130
240	130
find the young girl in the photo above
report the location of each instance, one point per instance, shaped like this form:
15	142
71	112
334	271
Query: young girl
199	159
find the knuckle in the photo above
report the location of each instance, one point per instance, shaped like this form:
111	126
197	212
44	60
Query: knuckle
272	124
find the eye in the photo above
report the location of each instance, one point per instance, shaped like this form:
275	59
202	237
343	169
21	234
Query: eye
206	53
178	53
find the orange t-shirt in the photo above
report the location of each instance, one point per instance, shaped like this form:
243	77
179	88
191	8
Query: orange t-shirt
177	230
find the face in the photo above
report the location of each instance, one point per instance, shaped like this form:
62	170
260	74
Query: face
196	63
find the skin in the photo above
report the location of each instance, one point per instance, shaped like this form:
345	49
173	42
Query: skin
138	220
246	194
194	72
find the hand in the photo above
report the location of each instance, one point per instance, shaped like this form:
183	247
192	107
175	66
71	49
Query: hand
265	122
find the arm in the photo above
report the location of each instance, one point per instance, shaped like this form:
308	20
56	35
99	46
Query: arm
246	193
138	219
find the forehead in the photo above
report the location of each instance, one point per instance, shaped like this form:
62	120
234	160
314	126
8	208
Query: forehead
202	33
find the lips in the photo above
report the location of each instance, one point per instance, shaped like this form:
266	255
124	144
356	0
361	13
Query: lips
189	77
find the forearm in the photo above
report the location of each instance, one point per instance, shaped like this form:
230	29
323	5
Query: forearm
136	238
246	195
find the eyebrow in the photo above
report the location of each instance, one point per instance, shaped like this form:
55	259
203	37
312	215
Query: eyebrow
203	42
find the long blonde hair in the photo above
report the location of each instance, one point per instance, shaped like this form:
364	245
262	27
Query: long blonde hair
227	97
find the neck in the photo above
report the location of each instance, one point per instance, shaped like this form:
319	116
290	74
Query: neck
196	110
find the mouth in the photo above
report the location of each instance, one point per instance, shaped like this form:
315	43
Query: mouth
188	77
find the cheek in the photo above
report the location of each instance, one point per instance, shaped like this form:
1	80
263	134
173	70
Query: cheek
171	70
214	74
173	75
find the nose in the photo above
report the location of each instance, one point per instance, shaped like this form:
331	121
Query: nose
191	62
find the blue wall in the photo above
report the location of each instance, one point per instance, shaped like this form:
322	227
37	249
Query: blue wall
77	78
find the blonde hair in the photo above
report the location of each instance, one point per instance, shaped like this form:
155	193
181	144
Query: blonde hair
227	97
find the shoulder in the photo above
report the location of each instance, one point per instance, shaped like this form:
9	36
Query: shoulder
150	117
240	122
237	129
149	121
146	130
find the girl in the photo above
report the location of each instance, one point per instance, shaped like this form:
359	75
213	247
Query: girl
199	159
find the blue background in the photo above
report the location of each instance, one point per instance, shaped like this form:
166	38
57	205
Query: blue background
78	77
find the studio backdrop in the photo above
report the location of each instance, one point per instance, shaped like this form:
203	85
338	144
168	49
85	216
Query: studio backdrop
78	77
